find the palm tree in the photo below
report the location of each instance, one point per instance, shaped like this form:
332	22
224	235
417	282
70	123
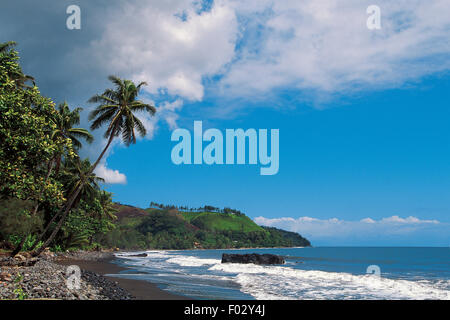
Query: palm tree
80	181
65	120
117	107
77	171
108	208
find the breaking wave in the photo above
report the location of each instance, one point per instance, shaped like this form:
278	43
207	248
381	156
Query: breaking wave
280	282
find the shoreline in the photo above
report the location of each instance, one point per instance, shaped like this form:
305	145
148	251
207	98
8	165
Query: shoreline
139	289
45	277
203	249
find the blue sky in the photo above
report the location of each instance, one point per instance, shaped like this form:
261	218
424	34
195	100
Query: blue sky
379	155
363	114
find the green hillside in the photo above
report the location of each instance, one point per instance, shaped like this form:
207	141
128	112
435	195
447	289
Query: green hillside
214	221
171	228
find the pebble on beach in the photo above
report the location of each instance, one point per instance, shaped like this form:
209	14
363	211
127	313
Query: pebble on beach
41	278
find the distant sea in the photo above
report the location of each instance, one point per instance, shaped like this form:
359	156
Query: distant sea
309	273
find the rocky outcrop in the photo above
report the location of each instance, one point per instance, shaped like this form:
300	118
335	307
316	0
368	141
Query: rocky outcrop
140	255
252	258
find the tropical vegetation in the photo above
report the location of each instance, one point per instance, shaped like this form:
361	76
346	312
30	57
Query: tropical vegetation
51	197
156	228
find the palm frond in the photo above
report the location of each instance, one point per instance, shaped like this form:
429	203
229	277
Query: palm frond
102	109
139	127
76	143
118	82
82	133
140	106
102	119
117	107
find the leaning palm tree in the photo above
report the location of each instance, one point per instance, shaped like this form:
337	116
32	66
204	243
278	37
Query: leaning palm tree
80	179
118	108
77	171
64	121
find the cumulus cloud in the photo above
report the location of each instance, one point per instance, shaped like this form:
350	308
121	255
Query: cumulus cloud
165	111
326	45
408	220
172	45
253	48
368	231
231	49
226	49
248	47
168	112
110	176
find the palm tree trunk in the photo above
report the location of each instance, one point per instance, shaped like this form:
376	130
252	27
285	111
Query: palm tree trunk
67	209
70	203
41	236
111	138
53	219
19	247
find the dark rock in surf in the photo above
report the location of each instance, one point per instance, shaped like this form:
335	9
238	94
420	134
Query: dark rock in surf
140	255
252	258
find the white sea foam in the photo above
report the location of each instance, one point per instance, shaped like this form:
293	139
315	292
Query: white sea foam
158	254
284	282
274	282
133	255
188	261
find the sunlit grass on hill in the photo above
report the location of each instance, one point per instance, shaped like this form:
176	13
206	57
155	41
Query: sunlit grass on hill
155	228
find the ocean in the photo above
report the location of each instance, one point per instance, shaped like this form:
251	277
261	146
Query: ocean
309	273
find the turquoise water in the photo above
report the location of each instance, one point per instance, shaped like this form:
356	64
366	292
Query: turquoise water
309	273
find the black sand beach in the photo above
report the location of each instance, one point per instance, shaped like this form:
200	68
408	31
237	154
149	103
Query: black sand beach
141	290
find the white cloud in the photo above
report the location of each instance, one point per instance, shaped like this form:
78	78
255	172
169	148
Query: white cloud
326	46
408	220
257	46
166	111
319	48
368	220
110	176
336	231
172	45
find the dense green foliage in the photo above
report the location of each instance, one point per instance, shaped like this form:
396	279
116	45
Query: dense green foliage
15	220
172	229
214	221
51	197
40	167
25	141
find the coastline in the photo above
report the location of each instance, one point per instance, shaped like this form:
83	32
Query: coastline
25	277
139	289
45	278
